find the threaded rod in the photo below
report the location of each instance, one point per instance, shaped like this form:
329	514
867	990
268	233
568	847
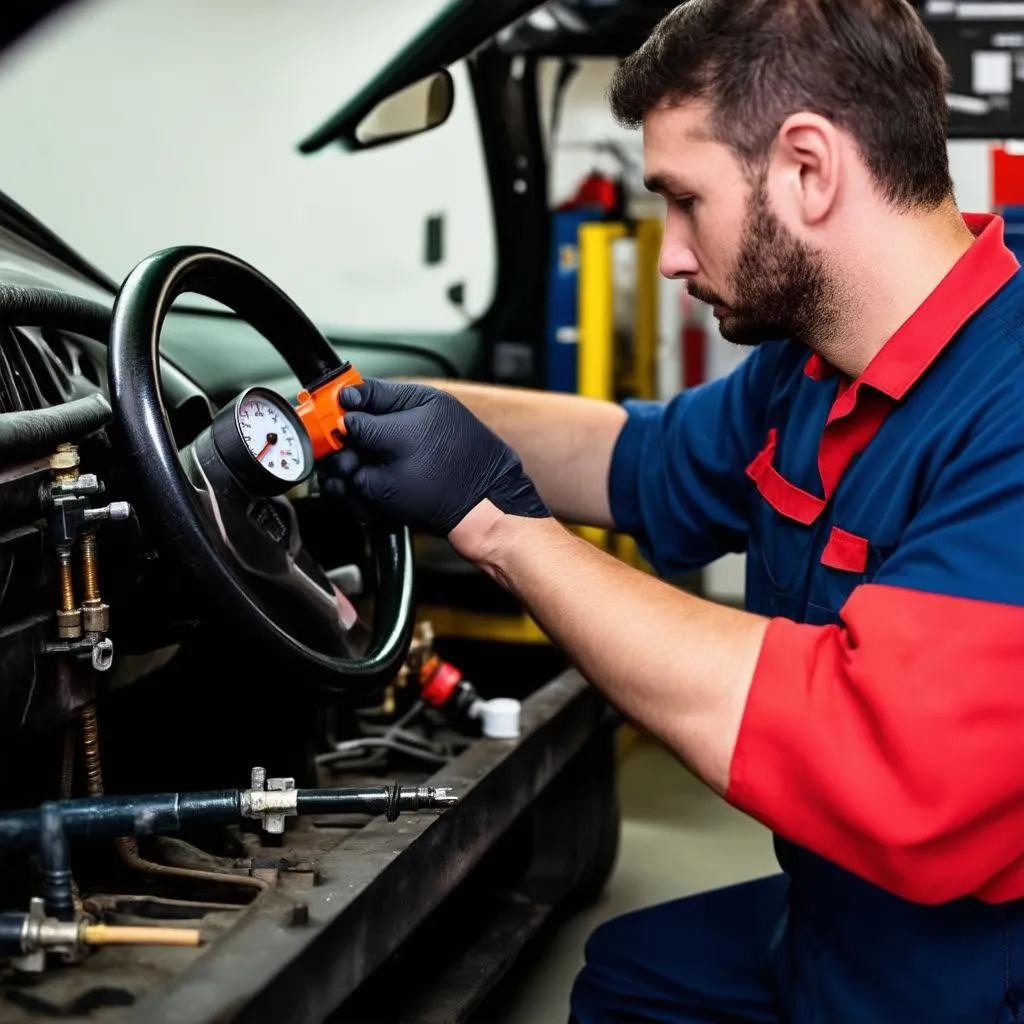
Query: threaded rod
90	575
67	590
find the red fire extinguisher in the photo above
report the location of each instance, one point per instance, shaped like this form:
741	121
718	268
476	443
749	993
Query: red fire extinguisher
693	340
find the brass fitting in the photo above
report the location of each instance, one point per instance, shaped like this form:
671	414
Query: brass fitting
420	650
70	939
95	614
64	463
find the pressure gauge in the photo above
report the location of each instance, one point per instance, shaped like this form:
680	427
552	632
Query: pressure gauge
263	442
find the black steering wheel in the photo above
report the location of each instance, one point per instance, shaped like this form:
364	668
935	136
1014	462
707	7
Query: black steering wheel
218	507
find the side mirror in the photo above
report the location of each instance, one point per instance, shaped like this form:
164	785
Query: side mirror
415	109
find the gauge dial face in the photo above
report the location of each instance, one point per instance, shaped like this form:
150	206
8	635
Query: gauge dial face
270	435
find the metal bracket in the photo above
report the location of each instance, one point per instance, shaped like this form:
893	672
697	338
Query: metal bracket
269	800
99	650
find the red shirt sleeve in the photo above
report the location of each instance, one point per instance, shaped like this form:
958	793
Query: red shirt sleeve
892	744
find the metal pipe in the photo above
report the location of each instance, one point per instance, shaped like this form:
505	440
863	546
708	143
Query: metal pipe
139	935
373	800
22	933
55	862
128	849
13	927
110	816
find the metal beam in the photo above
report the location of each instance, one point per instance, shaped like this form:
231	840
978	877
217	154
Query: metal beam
380	884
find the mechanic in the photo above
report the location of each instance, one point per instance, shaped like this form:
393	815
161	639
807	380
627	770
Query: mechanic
867	455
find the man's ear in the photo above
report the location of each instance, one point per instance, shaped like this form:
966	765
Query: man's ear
807	159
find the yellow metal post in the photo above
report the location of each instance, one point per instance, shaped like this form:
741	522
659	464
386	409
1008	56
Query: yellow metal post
596	310
645	341
596	344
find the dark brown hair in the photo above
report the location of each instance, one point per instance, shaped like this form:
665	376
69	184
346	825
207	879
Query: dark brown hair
870	66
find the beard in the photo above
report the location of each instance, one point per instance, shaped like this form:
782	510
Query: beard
784	289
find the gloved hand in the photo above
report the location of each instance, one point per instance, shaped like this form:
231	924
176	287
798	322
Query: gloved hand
417	456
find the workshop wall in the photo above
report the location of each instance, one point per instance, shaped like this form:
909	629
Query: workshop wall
130	125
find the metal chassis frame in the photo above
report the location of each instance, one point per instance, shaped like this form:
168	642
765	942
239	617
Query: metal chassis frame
379	885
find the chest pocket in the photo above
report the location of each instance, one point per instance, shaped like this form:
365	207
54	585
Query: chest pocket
784	550
847	561
785	526
804	567
807	573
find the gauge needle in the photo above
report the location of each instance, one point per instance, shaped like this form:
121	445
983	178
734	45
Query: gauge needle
271	441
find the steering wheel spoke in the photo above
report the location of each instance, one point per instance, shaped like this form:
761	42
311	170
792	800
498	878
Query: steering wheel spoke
261	536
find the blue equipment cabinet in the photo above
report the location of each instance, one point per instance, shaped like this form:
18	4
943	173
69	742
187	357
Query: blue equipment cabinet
563	296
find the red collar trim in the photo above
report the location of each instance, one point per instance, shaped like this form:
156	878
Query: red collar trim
817	368
981	272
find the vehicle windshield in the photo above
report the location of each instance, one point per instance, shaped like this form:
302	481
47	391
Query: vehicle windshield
132	125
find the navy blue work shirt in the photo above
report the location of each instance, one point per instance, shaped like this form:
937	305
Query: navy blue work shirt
883	522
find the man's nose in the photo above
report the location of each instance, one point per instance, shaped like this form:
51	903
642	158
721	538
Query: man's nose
677	259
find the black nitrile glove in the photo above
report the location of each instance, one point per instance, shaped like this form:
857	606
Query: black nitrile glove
417	456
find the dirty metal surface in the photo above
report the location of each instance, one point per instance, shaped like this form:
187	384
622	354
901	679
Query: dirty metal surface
296	954
475	967
109	982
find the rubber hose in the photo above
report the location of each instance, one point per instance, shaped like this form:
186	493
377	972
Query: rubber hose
33	433
372	800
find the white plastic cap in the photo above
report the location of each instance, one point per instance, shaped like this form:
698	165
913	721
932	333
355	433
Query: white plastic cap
499	717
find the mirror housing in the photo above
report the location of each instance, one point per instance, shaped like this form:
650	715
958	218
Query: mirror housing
417	108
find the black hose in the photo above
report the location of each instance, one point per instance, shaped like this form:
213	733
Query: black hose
387	800
59	311
55	862
33	433
372	800
110	816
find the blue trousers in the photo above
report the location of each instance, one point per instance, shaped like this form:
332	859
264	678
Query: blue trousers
759	954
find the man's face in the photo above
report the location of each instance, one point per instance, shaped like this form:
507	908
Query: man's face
722	236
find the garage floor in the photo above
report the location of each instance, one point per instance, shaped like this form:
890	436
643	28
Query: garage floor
677	838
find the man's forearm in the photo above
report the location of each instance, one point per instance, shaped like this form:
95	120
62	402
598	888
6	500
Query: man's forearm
564	441
678	666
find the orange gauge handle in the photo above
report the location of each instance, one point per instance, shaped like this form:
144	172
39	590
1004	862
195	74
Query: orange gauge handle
319	408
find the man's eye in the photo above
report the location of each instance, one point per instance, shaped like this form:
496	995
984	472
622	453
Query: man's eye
685	203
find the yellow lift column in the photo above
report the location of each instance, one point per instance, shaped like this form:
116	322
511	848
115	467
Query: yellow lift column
596	344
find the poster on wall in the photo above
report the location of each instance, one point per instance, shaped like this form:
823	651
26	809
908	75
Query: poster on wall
983	43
